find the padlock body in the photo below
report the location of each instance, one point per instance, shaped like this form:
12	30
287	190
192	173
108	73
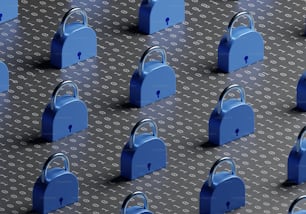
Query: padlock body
297	166
301	93
236	121
157	82
60	191
160	14
246	47
8	10
137	210
79	44
228	194
148	155
70	117
4	77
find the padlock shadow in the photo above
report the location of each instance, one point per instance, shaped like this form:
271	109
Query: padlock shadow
117	180
44	65
30	211
132	29
295	110
206	144
35	141
287	183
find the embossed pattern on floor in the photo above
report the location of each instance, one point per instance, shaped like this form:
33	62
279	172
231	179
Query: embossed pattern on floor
182	119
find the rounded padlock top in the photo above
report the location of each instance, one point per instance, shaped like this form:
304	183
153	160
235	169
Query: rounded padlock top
53	157
235	18
132	195
228	90
147	53
57	90
299	141
68	15
294	203
138	126
215	166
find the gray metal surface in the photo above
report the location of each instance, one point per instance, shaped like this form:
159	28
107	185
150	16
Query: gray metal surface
182	119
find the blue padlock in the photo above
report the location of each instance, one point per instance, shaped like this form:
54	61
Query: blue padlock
241	46
301	93
135	209
156	15
8	10
73	42
294	204
144	153
231	119
4	77
153	80
297	160
223	191
56	187
64	115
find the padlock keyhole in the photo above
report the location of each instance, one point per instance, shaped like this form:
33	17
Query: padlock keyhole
1	16
246	59
149	166
61	201
79	55
167	20
237	132
70	128
228	205
158	93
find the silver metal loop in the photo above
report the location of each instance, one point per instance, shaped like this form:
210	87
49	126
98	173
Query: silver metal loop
294	203
132	195
228	90
299	141
138	126
53	157
147	53
215	166
68	15
57	90
235	18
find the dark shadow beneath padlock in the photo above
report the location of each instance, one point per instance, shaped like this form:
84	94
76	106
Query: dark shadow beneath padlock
295	110
288	183
118	179
207	144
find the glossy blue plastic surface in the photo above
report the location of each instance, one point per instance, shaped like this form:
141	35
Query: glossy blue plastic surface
157	82
156	15
8	10
4	77
236	121
301	93
137	210
297	166
60	191
69	118
246	47
228	194
148	155
79	44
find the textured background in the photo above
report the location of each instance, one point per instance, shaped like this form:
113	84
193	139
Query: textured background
182	119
